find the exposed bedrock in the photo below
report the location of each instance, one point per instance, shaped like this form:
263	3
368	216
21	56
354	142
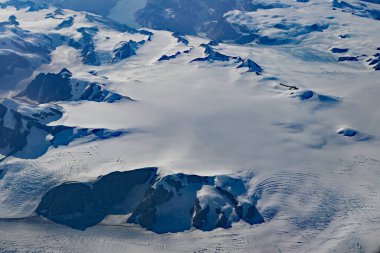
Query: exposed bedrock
172	203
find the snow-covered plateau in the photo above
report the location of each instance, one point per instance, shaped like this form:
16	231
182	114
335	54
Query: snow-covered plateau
252	127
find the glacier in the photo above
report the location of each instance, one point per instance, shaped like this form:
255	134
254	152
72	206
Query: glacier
189	126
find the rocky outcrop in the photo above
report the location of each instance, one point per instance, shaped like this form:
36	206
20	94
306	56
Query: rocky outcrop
212	55
80	205
66	23
94	92
172	203
180	38
348	58
50	87
12	20
125	49
86	45
337	50
374	61
32	132
169	57
252	66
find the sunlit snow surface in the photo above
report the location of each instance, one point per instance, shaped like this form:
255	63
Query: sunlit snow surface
315	182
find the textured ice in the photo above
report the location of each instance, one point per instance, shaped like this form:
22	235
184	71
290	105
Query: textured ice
297	144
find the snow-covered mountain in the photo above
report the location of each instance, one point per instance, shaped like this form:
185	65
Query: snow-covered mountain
248	126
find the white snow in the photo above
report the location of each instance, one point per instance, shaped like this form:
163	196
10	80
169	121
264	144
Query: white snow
317	190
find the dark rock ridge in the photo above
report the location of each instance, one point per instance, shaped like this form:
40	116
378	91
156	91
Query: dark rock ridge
180	38
52	87
211	55
251	65
17	130
336	50
66	23
374	62
172	203
12	20
173	56
49	87
348	58
169	57
86	45
126	49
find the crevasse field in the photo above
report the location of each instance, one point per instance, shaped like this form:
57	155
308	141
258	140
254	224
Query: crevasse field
260	134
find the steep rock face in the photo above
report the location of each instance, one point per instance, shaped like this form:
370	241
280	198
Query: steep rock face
180	38
66	23
87	45
51	87
337	50
32	133
81	205
12	20
172	203
169	57
211	56
126	49
13	135
94	92
374	61
251	65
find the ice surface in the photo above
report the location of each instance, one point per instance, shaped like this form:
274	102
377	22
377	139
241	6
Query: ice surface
302	137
